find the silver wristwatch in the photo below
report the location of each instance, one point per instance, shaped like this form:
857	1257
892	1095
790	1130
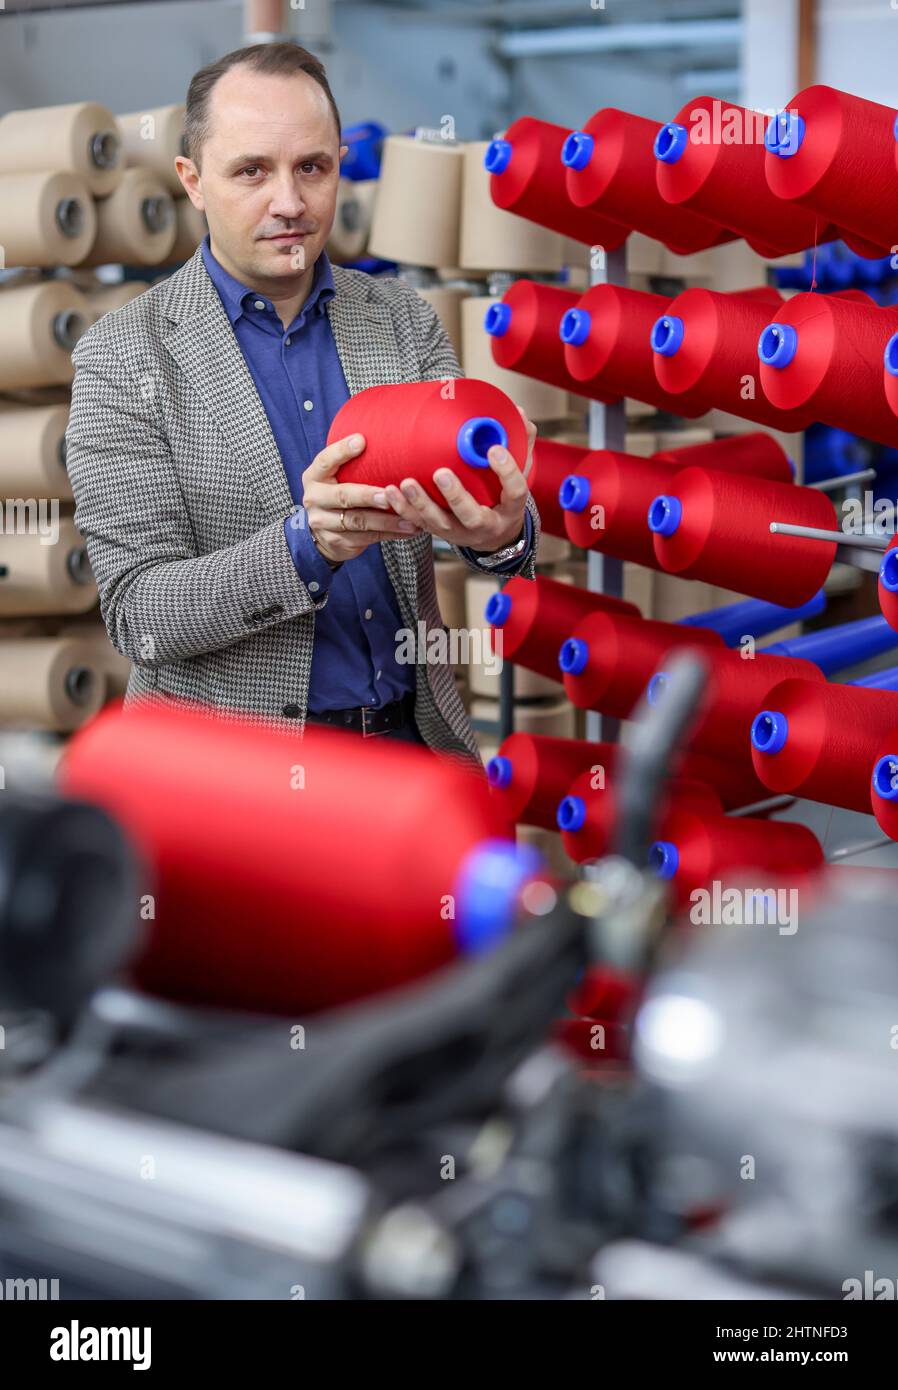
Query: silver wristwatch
500	557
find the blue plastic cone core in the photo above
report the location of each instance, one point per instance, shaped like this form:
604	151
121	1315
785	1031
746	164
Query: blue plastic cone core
571	813
784	134
885	777
777	344
665	514
670	142
573	656
791	463
888	571
890	356
498	156
664	858
498	771
657	687
574	328
498	320
895	128
576	152
487	889
769	731
573	495
667	335
477	436
498	607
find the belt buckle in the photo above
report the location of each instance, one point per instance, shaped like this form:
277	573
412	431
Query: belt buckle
366	732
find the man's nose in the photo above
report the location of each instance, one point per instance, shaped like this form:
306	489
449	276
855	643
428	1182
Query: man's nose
287	198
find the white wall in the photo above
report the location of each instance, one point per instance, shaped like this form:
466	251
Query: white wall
857	49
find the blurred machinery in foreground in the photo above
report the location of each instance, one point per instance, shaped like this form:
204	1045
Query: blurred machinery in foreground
434	1140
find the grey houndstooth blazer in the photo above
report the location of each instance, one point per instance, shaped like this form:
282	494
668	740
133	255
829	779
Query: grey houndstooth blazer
181	497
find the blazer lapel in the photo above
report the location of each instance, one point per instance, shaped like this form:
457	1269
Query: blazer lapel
206	349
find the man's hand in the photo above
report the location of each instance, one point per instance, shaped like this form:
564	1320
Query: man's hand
366	512
468	523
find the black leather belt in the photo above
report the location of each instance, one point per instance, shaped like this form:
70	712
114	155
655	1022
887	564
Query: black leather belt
368	720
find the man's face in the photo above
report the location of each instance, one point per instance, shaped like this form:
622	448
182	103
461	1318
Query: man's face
270	170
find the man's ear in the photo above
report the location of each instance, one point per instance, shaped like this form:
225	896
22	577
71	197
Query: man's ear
190	181
344	151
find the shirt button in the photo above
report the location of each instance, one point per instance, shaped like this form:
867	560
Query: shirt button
308	405
313	587
288	342
259	304
378	675
369	612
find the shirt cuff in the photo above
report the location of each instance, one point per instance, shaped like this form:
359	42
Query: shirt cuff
310	564
515	561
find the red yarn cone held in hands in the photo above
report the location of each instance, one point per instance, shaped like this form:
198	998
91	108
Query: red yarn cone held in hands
412	430
532	617
711	159
835	153
254	839
531	773
610	169
716	527
705	348
823	355
527	177
819	740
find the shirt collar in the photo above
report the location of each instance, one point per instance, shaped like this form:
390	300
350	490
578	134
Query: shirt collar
234	294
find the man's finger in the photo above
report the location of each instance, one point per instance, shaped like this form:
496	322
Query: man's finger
460	502
514	484
359	519
325	464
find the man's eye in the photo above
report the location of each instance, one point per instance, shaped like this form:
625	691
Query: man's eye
309	168
250	168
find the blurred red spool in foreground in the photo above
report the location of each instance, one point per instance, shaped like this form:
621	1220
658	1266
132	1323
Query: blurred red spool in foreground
532	613
699	168
735	689
607	660
819	740
606	497
531	773
610	169
754	453
705	347
296	874
823	354
587	814
694	849
527	177
835	153
552	462
888	584
716	527
603	993
524	328
413	429
608	349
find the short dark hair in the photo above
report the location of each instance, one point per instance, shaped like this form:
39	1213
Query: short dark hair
276	59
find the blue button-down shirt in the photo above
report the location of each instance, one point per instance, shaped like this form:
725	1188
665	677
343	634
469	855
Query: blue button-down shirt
300	381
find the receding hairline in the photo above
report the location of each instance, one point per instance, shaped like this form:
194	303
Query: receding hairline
282	60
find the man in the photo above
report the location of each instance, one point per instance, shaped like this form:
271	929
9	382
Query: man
233	569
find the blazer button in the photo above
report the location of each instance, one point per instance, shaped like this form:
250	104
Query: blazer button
291	711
